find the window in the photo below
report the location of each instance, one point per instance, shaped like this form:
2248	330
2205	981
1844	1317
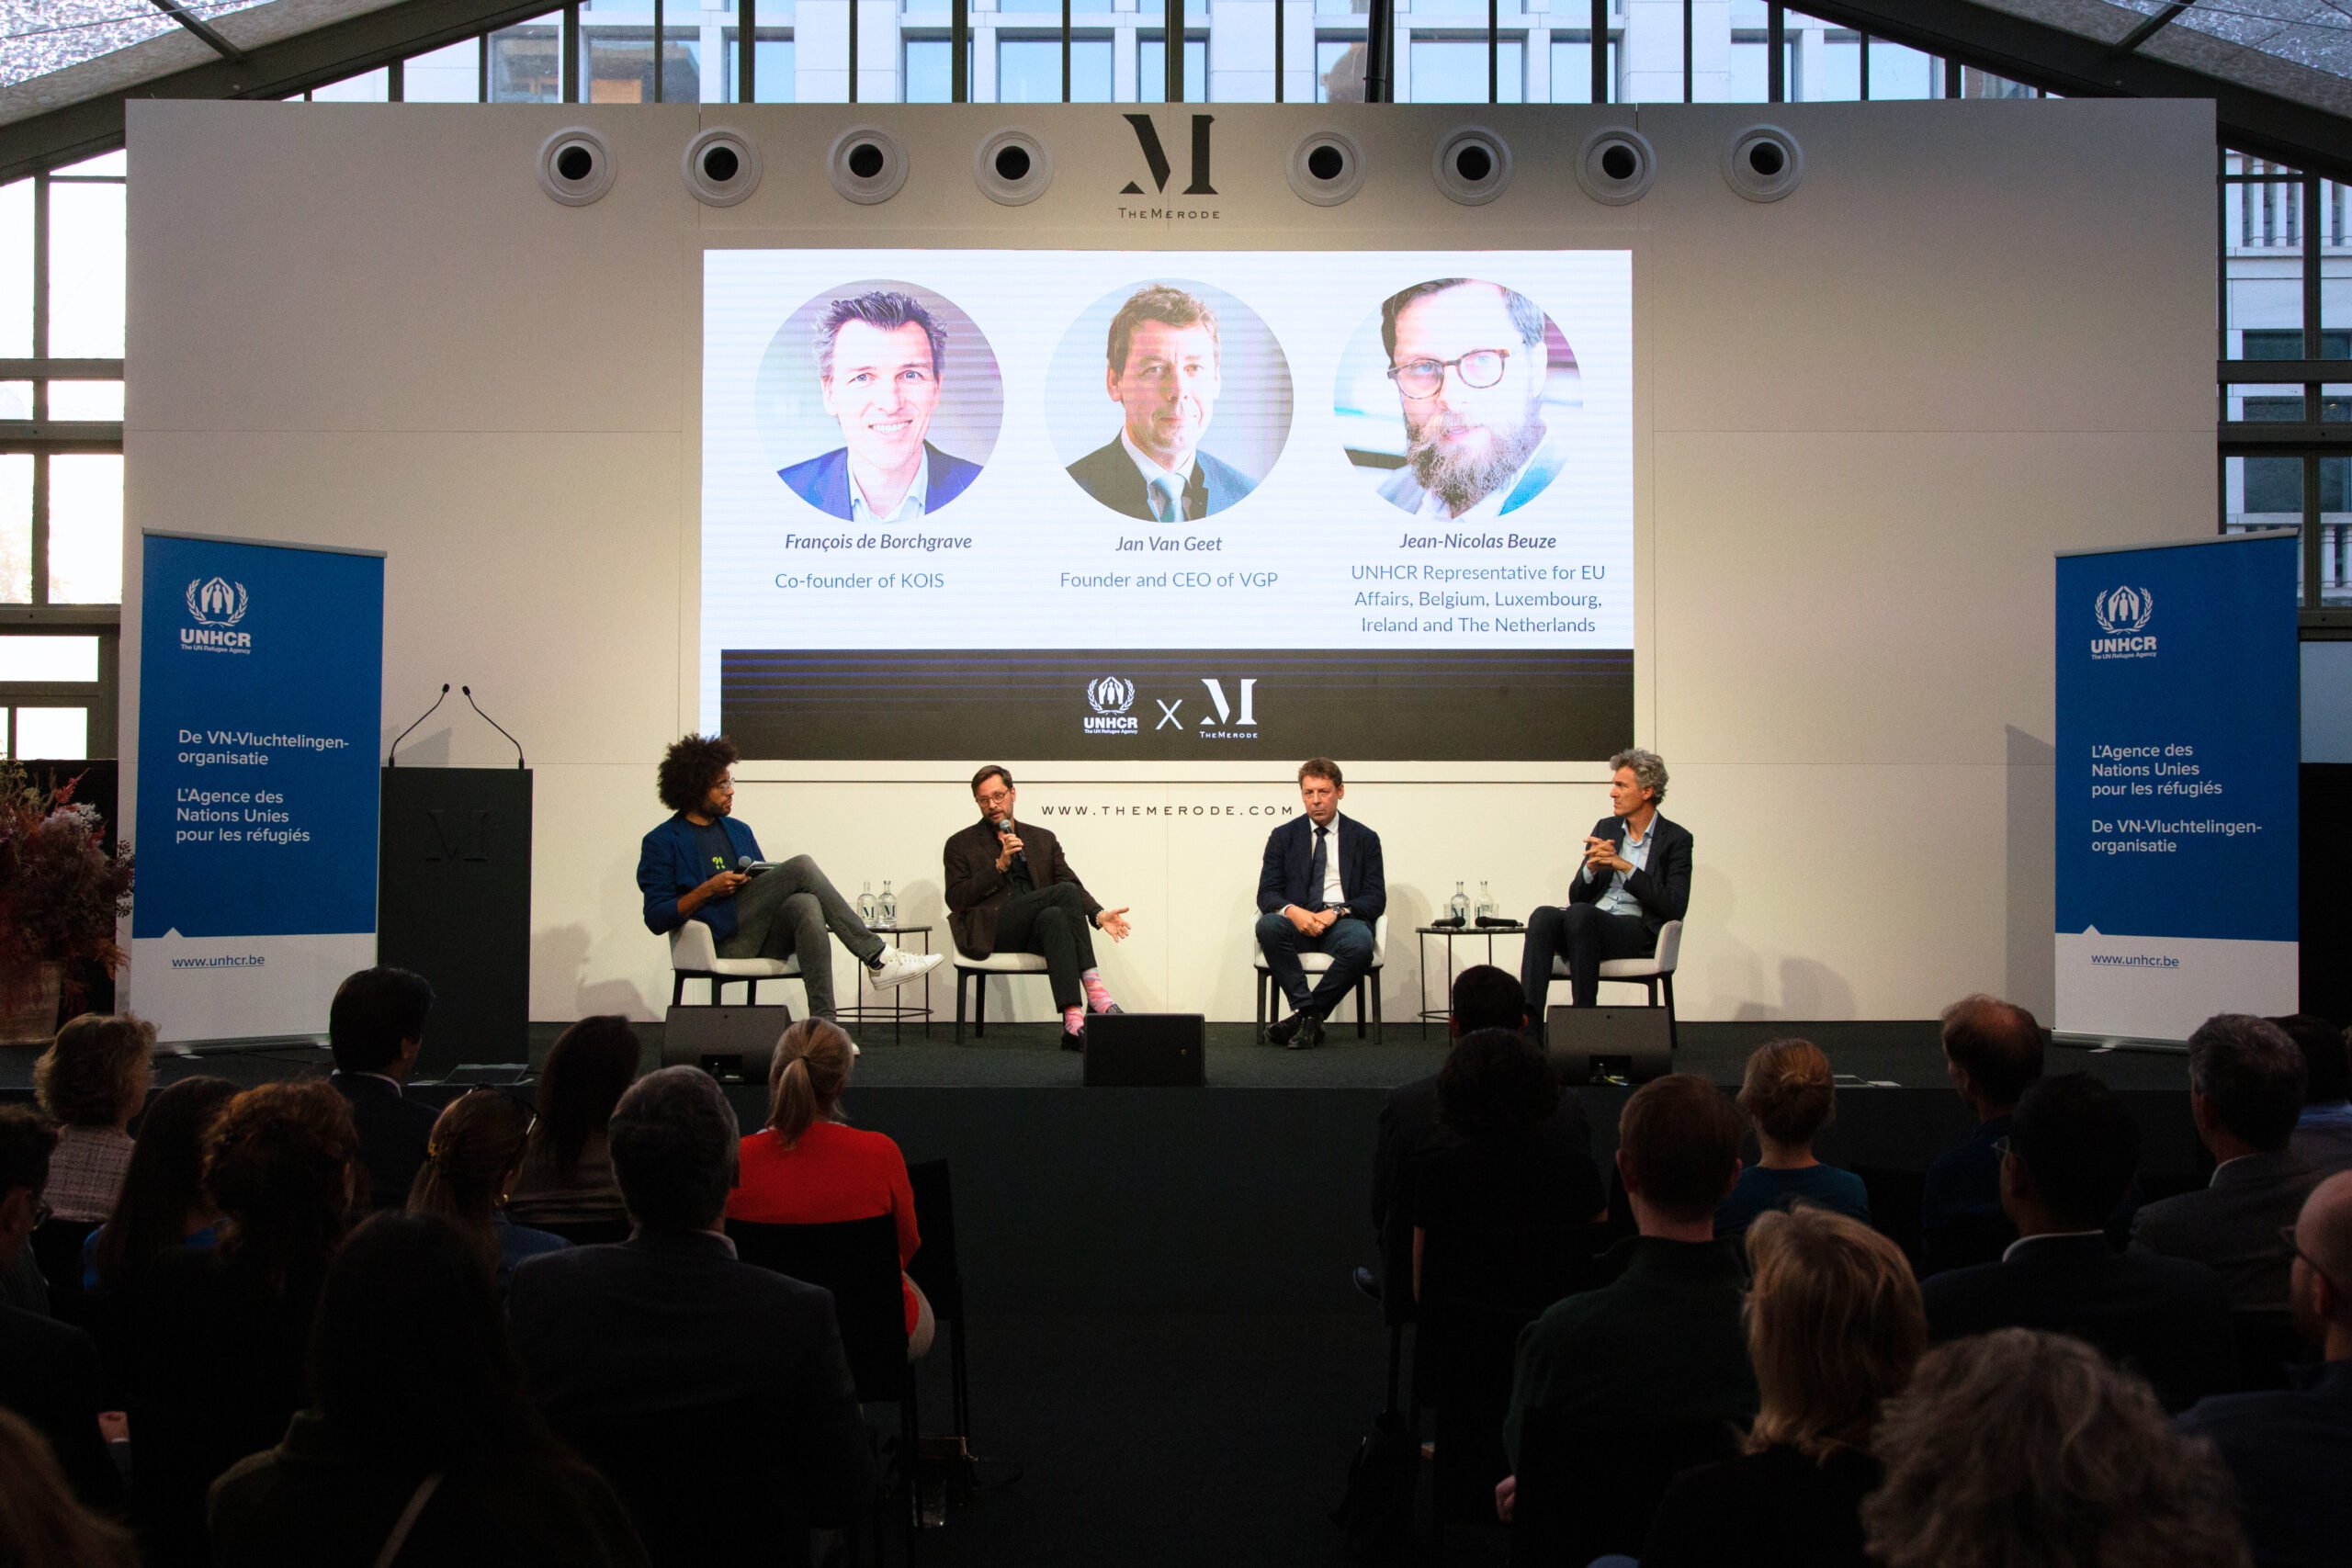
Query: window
1455	71
1151	69
930	63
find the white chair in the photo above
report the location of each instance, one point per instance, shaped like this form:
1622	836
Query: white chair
1651	973
1269	1000
975	971
693	956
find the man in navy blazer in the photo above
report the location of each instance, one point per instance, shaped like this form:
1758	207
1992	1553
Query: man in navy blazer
1636	877
879	359
1321	889
376	1027
1162	367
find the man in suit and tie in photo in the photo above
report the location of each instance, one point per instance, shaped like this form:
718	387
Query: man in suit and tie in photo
1162	368
1637	876
880	357
1321	889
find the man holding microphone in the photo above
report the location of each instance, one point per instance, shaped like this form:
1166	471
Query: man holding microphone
1636	877
1009	890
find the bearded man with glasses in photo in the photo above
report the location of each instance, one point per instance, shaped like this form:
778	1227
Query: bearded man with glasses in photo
1468	361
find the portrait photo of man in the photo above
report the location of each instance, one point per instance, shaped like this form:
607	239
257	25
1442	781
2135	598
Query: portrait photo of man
881	360
1163	368
1469	362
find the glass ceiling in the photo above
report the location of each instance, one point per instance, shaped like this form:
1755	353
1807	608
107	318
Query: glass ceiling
54	53
2300	50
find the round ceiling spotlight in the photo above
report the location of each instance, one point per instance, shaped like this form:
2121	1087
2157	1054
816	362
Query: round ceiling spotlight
866	164
1763	163
722	167
1471	166
1325	167
576	167
1616	165
1012	168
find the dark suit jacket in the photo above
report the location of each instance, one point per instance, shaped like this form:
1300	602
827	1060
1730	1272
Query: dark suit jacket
1110	476
393	1133
1663	885
2289	1451
2162	1317
823	483
669	865
1778	1508
664	1323
49	1376
1290	851
2231	1227
977	890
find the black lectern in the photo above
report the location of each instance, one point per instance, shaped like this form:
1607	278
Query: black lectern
453	903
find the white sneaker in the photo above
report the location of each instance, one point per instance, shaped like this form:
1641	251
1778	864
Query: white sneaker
897	966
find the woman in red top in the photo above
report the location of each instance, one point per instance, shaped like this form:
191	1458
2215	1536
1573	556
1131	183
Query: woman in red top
807	1168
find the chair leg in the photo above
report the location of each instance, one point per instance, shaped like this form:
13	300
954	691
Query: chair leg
910	1436
1379	1024
1673	1038
750	993
962	977
979	1006
677	988
1258	996
1360	991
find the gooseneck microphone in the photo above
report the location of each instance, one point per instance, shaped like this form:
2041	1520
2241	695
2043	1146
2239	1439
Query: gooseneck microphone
392	759
468	691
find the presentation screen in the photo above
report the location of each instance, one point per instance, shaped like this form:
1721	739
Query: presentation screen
1101	505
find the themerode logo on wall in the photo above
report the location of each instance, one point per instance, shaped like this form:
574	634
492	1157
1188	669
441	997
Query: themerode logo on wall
1155	156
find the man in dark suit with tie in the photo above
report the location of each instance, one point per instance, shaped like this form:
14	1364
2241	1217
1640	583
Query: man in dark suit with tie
375	1026
1320	889
668	1330
2071	1152
1162	367
1637	876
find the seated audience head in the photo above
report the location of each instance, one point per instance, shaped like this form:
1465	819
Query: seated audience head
673	1139
1992	1049
1788	1092
2245	1085
475	1150
1677	1153
97	1070
806	1077
2327	1063
2023	1447
377	1021
692	770
2320	1289
409	1358
1835	1326
2074	1150
1494	1081
277	1166
163	1192
589	1068
41	1521
26	1141
1485	997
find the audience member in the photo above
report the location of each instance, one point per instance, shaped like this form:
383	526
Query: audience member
668	1330
1660	1348
91	1081
1835	1328
375	1026
2022	1449
218	1336
808	1166
1484	998
1498	1171
2071	1152
1992	1050
2290	1448
2322	1137
419	1444
2246	1090
476	1148
164	1204
40	1521
1790	1097
566	1175
49	1370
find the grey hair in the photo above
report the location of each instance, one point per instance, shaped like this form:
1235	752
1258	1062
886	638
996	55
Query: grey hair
1649	770
674	1143
885	309
2252	1074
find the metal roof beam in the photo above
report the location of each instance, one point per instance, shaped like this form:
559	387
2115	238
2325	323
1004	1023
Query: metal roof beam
200	28
2151	28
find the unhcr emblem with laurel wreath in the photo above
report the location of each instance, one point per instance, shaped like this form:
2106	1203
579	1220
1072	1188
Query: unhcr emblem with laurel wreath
215	605
1110	697
2122	613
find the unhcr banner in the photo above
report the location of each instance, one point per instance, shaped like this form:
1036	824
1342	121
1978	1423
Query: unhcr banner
2176	785
260	690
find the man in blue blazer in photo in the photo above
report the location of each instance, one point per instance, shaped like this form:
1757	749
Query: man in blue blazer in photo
1162	367
1321	889
880	357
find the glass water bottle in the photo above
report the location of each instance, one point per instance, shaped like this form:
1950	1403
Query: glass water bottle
866	903
890	905
1460	905
1485	902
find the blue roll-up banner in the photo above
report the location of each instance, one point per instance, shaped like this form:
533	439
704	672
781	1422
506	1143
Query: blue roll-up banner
260	696
2176	785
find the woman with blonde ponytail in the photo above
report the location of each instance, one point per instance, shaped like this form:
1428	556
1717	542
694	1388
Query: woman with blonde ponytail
808	1166
1790	1097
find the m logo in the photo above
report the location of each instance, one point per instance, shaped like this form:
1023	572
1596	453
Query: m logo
461	840
1156	156
2123	609
1224	714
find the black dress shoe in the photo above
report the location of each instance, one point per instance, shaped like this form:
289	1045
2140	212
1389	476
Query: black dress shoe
1367	1281
1310	1031
1280	1033
1074	1039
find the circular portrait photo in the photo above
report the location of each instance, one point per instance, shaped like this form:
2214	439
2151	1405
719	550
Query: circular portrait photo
879	401
1169	400
1451	398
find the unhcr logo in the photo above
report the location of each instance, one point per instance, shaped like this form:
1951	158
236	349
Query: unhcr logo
2123	612
215	605
1110	697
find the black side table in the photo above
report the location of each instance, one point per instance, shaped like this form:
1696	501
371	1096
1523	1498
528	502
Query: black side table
896	1011
1433	1015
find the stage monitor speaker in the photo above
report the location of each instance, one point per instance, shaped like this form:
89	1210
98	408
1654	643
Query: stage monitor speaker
722	167
1616	165
1610	1045
1325	167
728	1042
1763	163
1012	168
1145	1050
866	164
576	167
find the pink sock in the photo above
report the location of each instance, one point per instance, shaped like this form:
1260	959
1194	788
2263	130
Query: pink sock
1098	995
1073	1020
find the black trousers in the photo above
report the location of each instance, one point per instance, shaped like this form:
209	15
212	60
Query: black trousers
1052	923
1588	939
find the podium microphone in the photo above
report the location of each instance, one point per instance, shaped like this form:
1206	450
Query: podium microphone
468	691
392	759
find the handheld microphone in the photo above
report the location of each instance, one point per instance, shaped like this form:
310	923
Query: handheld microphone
1004	830
744	865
